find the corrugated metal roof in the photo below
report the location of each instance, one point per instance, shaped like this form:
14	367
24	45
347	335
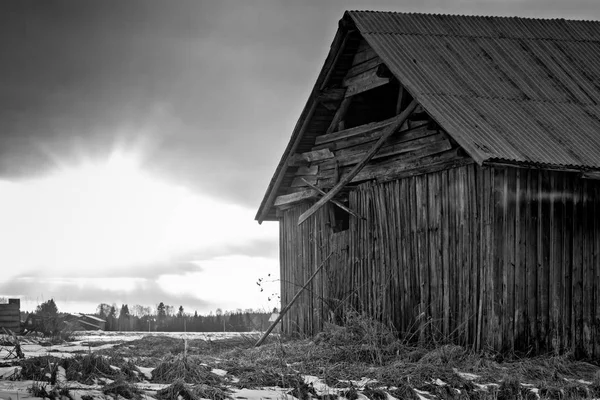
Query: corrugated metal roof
512	89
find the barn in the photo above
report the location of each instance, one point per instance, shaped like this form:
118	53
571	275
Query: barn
445	175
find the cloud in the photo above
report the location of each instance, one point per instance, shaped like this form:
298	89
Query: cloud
228	282
70	292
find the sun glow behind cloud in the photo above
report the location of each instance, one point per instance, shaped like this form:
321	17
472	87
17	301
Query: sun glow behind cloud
110	215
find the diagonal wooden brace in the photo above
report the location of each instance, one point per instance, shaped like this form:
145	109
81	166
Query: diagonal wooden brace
337	203
346	179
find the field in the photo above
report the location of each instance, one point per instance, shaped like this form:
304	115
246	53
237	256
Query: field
359	362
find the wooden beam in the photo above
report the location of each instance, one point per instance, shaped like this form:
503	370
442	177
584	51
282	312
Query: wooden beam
337	203
400	98
310	156
368	80
339	115
346	179
291	303
331	95
300	181
360	68
357	130
294	197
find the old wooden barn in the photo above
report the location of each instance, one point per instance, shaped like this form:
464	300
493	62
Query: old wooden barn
467	150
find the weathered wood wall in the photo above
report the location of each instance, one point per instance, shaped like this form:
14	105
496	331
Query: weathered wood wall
505	258
542	279
10	317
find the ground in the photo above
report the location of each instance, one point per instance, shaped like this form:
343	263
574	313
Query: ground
354	363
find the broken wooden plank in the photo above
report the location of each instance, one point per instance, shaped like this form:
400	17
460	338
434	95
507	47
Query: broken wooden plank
293	198
381	171
357	130
366	81
310	156
346	179
348	158
362	67
337	203
358	145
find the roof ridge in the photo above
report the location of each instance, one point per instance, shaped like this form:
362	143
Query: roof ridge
482	36
473	16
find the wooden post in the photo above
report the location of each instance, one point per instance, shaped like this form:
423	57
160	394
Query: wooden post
346	179
287	307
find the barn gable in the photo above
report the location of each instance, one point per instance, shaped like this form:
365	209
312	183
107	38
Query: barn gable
444	179
506	90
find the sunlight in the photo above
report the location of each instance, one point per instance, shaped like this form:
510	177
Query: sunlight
111	214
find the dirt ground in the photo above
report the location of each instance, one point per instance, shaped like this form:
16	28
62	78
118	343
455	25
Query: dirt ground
354	363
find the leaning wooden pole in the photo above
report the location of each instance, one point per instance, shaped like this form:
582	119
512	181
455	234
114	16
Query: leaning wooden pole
289	305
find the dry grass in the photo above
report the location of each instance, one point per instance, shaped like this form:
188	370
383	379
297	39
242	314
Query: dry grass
192	392
122	388
339	356
187	369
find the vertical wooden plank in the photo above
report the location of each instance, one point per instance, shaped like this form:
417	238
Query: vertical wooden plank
416	283
552	267
557	270
403	200
485	311
587	276
458	269
577	284
472	243
532	259
596	266
510	207
422	204
544	255
282	264
463	267
520	333
498	281
435	288
567	260
445	245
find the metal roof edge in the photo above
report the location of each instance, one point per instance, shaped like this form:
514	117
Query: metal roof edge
471	150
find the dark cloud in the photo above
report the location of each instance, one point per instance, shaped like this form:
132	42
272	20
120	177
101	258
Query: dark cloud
221	83
78	72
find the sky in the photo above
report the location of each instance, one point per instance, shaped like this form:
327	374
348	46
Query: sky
137	140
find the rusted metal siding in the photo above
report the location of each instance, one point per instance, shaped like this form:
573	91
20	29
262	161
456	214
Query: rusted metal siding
489	257
513	89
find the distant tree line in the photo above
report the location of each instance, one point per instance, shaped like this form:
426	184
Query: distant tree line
165	318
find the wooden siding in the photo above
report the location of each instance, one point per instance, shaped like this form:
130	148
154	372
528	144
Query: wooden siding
501	258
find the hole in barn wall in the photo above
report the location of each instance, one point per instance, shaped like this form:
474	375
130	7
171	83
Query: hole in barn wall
372	106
